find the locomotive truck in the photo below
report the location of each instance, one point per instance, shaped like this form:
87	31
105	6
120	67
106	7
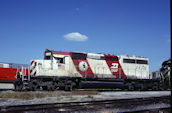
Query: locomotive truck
75	70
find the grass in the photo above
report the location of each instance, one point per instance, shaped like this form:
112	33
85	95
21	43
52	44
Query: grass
42	94
21	95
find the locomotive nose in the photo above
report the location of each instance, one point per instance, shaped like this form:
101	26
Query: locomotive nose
33	65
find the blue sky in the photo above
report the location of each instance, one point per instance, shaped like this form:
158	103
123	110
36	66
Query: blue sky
132	27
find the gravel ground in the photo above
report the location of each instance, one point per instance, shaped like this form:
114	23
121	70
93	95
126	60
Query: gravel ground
24	98
6	86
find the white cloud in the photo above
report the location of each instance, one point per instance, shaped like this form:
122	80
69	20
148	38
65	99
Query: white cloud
75	36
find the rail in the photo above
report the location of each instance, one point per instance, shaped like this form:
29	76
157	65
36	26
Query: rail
119	104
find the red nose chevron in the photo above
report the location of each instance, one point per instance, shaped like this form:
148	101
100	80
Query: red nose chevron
33	68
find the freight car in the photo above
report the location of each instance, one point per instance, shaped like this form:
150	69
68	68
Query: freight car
70	70
8	74
8	71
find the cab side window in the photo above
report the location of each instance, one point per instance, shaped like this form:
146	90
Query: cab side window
59	60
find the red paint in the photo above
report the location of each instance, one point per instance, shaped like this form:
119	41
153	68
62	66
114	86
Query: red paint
34	73
116	71
35	64
88	72
58	52
76	62
32	62
7	74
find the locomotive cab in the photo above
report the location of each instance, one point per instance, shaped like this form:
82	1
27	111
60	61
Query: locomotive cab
51	65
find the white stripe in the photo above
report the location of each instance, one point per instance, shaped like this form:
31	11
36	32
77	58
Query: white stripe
33	71
100	67
33	64
33	68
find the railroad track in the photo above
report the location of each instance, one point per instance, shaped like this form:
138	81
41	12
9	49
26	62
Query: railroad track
99	90
118	104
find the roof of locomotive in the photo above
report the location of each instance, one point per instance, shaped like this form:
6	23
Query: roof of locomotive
95	54
70	53
132	57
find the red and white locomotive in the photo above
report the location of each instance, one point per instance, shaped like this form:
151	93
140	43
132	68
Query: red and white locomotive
69	70
77	64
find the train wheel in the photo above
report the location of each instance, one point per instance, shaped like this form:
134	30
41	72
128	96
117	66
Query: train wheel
130	86
44	88
161	86
155	87
18	85
69	86
34	86
51	88
142	87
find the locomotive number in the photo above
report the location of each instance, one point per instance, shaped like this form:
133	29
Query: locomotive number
114	67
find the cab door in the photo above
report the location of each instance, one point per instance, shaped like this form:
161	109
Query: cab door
67	63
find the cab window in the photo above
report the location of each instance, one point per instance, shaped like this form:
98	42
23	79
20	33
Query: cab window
59	60
47	57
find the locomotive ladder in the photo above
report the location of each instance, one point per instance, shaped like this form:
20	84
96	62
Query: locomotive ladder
24	76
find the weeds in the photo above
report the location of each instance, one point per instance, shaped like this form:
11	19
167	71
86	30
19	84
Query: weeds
42	94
